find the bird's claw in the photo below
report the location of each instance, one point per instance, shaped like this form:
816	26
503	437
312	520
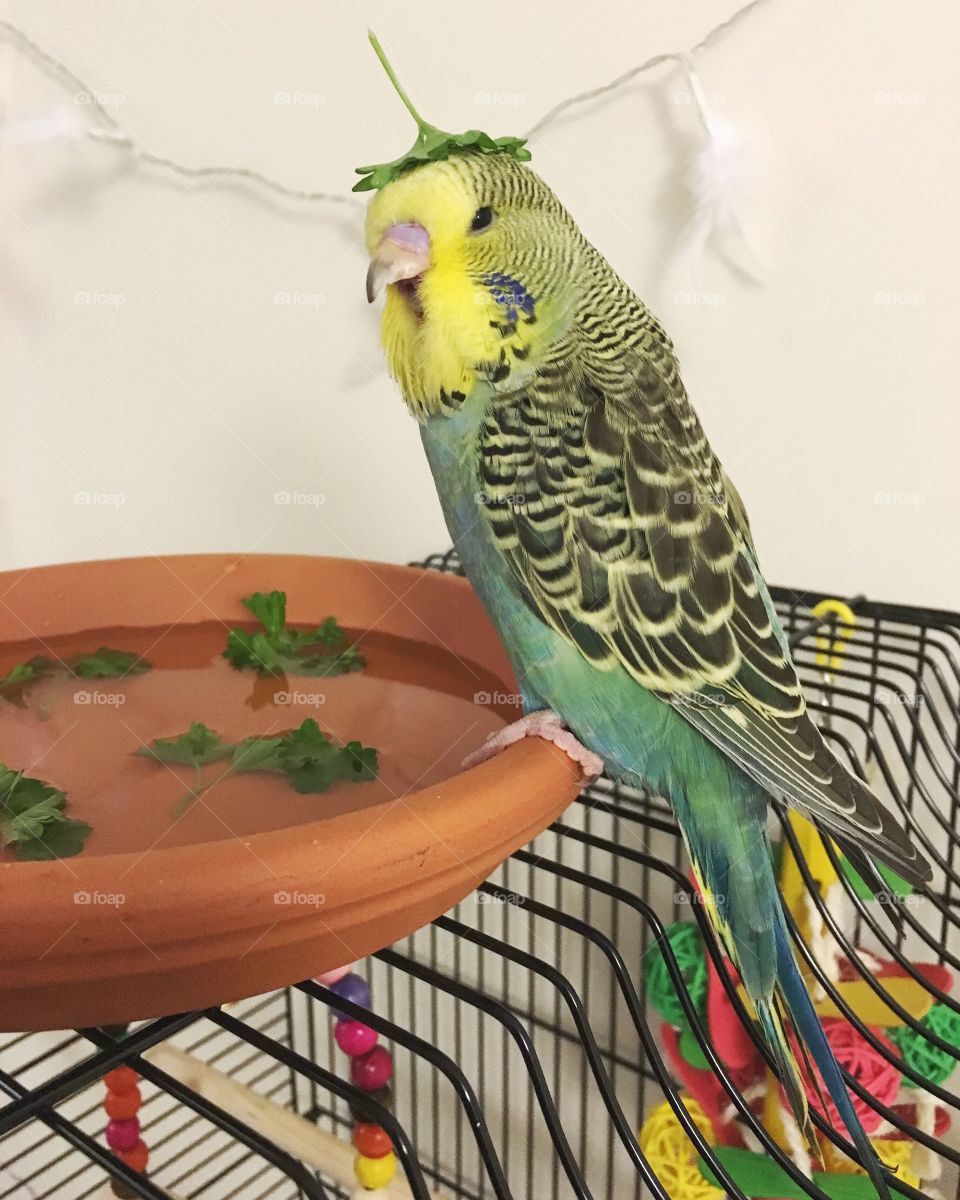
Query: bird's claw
547	725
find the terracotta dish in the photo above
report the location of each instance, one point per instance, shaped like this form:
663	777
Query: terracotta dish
255	886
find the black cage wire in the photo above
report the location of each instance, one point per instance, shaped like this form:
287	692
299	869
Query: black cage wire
526	1057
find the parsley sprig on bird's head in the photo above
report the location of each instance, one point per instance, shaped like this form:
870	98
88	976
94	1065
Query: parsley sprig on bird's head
432	144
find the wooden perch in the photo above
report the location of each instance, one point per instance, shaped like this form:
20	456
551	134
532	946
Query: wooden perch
294	1134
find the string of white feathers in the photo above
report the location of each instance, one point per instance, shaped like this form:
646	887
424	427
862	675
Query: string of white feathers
715	178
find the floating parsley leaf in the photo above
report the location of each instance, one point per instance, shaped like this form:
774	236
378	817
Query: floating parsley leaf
432	144
32	823
195	748
62	839
306	756
312	762
270	609
18	677
258	754
100	664
28	823
107	664
277	650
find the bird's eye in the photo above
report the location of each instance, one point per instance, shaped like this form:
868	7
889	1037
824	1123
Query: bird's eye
481	219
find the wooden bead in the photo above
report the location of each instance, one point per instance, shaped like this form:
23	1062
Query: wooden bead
373	1141
136	1158
121	1106
375	1172
121	1079
373	1070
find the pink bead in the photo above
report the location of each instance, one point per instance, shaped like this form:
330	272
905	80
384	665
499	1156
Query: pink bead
123	1135
372	1070
353	1037
329	978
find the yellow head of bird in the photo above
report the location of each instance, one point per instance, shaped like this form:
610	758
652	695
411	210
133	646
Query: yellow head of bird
476	256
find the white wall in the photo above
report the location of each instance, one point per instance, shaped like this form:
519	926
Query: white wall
200	397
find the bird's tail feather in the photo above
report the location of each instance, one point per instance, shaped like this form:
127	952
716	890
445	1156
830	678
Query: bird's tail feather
734	870
796	999
774	1031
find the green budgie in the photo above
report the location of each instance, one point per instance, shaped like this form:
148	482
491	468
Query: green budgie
609	547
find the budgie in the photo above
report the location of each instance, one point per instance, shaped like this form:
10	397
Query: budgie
611	550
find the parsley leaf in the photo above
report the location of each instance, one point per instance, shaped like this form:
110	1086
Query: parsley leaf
312	762
107	664
63	839
432	144
32	821
100	664
270	609
258	754
277	650
306	756
29	824
18	677
195	748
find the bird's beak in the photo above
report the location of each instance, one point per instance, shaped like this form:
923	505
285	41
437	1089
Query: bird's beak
403	253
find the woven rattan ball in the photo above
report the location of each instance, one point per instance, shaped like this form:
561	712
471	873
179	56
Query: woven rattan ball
867	1065
673	1156
934	1064
687	946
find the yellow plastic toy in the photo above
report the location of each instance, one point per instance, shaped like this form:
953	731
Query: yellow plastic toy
830	647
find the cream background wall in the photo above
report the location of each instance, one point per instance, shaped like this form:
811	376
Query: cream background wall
182	409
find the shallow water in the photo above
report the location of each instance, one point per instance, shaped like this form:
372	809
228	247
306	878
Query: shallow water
413	703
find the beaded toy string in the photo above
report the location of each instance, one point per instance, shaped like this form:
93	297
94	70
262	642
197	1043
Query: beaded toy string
371	1069
123	1133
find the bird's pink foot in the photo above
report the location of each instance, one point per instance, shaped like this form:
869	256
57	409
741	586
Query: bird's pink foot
547	725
